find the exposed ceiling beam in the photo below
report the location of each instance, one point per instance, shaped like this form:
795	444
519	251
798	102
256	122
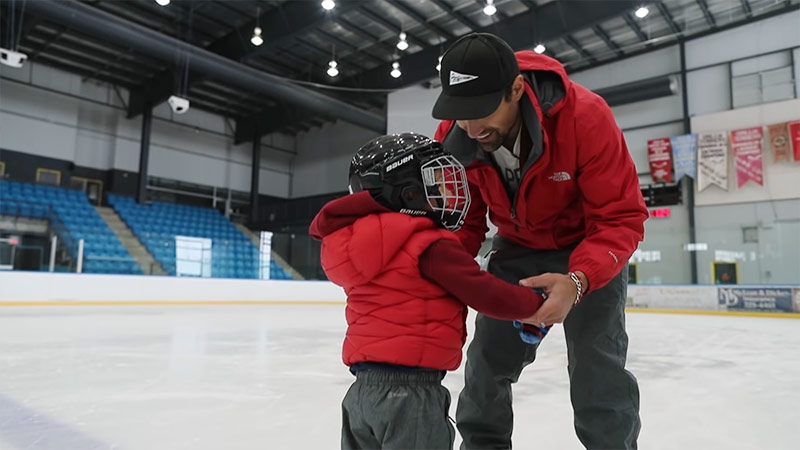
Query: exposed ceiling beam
109	51
598	29
107	61
635	27
145	16
341	42
44	46
275	66
232	6
709	17
579	48
230	99
289	20
662	8
746	7
499	14
102	25
375	40
279	25
707	32
551	21
419	17
88	68
455	14
71	68
28	27
396	28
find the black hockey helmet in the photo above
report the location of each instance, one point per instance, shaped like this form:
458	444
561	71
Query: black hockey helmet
412	174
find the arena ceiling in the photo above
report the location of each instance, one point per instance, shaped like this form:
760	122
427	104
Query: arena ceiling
300	38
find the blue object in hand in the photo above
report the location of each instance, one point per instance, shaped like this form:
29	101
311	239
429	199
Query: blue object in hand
532	334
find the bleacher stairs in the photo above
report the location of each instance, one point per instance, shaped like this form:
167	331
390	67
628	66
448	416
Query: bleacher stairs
136	249
274	255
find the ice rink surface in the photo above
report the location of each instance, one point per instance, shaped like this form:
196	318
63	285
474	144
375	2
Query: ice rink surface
271	377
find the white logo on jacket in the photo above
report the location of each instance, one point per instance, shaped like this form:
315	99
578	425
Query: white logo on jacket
559	176
458	78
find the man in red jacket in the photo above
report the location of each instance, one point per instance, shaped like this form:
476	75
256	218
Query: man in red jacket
545	157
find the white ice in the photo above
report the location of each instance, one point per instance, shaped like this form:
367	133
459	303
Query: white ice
271	377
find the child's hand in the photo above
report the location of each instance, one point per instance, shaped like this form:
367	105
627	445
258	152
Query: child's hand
532	319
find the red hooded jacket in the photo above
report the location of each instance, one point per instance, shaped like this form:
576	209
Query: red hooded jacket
408	283
579	185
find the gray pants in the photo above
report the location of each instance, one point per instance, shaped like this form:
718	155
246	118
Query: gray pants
387	409
605	396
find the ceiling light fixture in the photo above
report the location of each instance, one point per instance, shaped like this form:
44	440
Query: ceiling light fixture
642	12
395	73
163	2
332	70
489	9
539	49
328	5
402	44
257	39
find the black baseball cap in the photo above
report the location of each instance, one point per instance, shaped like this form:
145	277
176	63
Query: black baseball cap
475	71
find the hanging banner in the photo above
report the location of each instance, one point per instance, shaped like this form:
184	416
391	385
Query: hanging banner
659	154
712	160
684	155
747	159
794	134
779	141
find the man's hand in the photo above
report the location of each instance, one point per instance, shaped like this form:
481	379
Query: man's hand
561	292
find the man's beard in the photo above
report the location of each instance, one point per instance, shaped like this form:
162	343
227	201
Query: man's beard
495	143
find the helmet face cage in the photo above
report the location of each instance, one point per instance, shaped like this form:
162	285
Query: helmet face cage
412	174
446	190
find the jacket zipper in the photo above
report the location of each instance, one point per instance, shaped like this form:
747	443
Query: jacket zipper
514	217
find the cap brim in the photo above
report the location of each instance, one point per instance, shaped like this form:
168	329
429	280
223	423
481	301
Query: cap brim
449	107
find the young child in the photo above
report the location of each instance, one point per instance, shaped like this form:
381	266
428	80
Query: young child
408	283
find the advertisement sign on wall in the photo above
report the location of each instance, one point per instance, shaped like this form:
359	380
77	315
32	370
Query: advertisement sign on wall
672	297
756	299
796	300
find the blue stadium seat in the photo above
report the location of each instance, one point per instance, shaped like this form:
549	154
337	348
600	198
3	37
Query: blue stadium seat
75	219
156	225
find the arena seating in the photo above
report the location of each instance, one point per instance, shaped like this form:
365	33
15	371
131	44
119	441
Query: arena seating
233	255
73	218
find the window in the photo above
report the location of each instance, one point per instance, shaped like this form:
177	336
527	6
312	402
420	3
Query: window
48	176
92	187
762	79
2	169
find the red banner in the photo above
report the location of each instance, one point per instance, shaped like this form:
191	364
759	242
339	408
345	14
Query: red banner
794	133
779	141
747	155
659	154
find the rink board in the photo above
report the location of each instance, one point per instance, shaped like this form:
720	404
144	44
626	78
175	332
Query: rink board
37	288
